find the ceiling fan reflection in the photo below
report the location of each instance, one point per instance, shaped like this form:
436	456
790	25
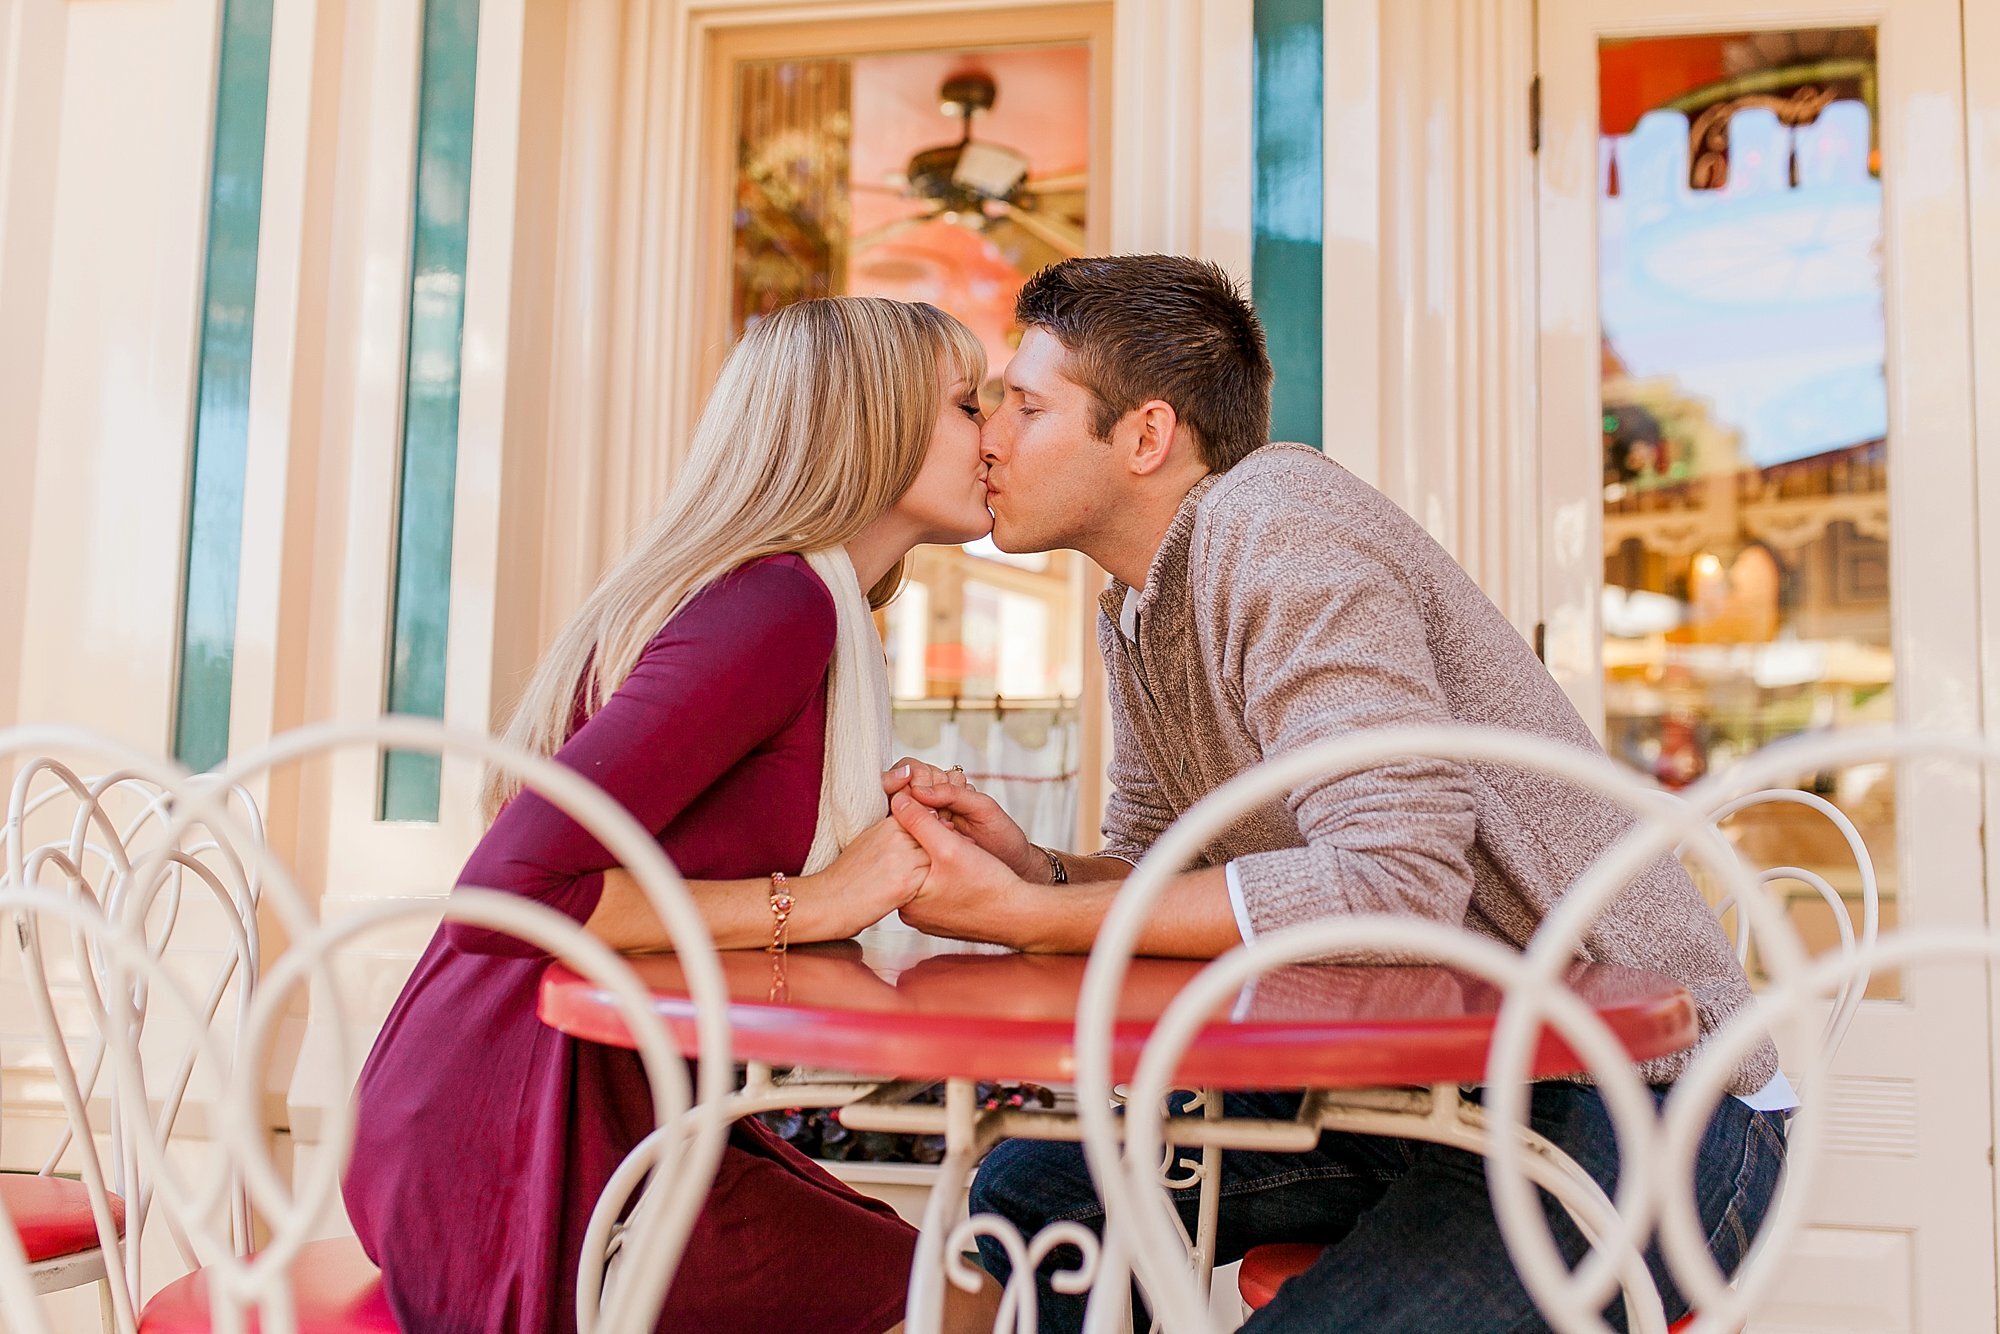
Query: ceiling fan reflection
978	184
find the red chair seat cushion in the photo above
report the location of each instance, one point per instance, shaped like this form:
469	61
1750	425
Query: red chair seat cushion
1266	1268
52	1215
336	1289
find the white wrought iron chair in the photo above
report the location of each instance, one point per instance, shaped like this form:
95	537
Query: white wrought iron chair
1725	1302
1792	997
1796	989
295	1281
105	841
1268	1267
1145	1232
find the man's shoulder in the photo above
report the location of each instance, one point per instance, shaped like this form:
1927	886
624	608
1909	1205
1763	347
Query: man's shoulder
1285	477
1289	496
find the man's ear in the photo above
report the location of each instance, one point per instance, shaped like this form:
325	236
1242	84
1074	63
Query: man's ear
1157	427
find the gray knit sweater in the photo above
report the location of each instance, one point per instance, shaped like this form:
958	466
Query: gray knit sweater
1291	602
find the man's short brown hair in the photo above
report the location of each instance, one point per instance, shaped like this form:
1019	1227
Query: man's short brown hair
1141	327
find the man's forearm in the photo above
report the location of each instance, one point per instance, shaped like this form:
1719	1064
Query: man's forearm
1191	919
1084	869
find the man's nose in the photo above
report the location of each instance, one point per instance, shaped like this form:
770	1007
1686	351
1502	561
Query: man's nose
991	442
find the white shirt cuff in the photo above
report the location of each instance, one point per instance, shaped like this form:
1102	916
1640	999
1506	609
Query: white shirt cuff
1243	927
1776	1096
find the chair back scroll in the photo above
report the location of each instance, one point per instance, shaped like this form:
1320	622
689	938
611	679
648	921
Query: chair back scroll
1807	999
1847	1000
191	896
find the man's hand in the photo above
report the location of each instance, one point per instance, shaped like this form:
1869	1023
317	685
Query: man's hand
970	812
968	894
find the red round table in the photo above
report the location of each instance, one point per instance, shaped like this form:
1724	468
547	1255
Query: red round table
908	1006
909	1010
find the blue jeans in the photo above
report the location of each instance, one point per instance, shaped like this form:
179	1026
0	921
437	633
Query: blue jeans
1412	1242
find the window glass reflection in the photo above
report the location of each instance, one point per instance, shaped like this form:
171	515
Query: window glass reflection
1745	423
948	177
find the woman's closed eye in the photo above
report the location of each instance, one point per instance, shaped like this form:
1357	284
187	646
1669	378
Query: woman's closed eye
970	408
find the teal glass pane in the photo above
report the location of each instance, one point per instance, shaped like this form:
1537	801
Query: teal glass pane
1288	206
409	789
222	396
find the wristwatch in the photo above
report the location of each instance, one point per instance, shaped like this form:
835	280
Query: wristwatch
1057	874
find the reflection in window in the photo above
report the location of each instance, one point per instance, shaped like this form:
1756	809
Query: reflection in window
1745	416
948	177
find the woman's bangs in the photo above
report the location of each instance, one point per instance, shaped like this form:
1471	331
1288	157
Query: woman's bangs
962	354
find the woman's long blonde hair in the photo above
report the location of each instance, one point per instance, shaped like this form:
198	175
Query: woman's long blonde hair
819	422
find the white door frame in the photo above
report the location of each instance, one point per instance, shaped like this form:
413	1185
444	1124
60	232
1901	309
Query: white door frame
1931	1049
1982	100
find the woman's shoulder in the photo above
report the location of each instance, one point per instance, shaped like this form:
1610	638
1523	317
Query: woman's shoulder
782	584
771	599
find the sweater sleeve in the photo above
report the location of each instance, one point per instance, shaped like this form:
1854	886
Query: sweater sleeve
1319	643
721	678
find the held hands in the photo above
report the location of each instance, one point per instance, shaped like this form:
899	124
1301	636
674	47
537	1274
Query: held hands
878	873
971	813
967	893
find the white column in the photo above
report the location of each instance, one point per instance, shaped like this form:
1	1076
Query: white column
582	296
282	497
125	210
31	62
1429	320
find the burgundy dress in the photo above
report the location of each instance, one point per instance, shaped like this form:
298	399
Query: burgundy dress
484	1137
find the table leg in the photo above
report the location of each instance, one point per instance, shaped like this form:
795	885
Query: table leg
924	1309
1109	1305
1211	1195
1207	1177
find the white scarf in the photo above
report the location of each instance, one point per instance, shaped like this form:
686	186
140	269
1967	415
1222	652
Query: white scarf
857	716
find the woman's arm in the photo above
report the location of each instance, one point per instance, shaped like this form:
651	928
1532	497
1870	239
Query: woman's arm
874	875
732	669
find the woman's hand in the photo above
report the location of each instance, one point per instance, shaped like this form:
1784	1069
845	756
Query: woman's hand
970	812
874	875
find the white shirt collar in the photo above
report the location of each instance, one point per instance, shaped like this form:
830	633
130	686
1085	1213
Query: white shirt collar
1128	616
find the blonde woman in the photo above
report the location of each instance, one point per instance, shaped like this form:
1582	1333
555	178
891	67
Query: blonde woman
725	683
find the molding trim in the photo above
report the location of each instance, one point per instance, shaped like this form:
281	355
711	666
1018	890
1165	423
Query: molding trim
1982	100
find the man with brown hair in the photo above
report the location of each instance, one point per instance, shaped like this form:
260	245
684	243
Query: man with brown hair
1264	599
